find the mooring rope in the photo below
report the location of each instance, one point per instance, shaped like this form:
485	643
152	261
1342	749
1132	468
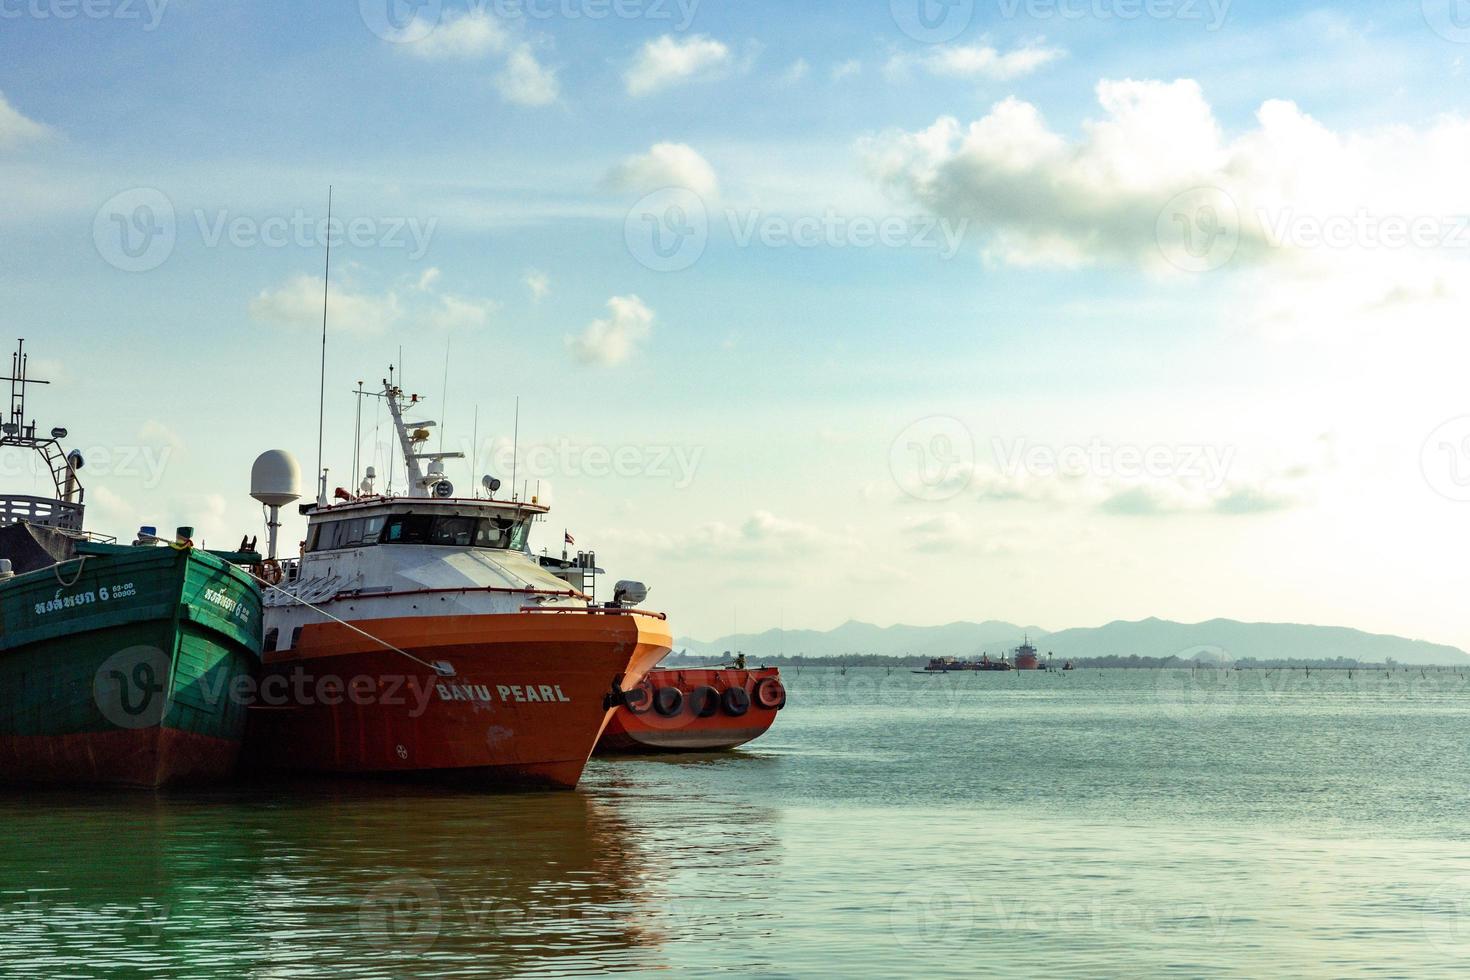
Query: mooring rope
81	565
436	668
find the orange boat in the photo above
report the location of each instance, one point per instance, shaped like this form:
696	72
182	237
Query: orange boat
1026	656
417	636
700	710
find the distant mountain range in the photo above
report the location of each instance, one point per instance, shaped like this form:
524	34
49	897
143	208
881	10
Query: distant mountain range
1213	640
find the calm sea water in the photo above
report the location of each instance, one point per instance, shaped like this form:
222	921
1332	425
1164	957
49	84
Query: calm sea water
1085	824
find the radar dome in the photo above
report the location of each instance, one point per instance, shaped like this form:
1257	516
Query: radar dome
275	479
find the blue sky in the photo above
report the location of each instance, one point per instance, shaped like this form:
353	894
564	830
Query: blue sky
814	393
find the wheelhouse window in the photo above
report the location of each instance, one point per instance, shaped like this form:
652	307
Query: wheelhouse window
446	531
408	529
354	532
458	532
351	533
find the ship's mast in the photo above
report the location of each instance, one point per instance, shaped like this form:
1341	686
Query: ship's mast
20	434
410	436
17	429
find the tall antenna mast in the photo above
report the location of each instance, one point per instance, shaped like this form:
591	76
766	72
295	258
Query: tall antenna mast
321	414
18	380
515	449
357	440
475	453
444	396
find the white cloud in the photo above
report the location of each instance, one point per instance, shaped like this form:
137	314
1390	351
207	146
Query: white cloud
108	509
1167	499
525	81
847	69
799	70
1047	201
154	432
668	60
665	165
612	341
1113	194
209	515
539	284
979	61
299	303
941	534
458	313
1163	479
16	128
474	34
763	536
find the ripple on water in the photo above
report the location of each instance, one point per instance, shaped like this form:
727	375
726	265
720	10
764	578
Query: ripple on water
1078	825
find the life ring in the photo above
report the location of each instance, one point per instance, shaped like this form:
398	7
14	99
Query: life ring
704	701
667	701
735	701
770	694
640	699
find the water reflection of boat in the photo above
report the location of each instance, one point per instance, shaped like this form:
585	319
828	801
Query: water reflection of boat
194	884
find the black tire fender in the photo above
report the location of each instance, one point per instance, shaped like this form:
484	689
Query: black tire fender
668	701
735	701
704	701
770	694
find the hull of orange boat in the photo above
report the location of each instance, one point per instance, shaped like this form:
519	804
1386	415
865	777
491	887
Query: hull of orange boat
497	701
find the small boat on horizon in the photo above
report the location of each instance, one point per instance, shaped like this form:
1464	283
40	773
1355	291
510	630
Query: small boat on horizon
1026	657
941	665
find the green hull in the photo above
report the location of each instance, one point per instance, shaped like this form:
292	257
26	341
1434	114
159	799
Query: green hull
126	666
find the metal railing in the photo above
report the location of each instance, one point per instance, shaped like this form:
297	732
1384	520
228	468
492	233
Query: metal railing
40	511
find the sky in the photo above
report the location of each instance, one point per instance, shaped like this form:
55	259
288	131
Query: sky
1051	311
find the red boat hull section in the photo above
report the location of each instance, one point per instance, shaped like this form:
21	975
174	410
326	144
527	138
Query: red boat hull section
524	705
148	758
685	731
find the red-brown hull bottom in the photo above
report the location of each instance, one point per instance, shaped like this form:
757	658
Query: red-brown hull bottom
148	758
523	707
621	738
630	733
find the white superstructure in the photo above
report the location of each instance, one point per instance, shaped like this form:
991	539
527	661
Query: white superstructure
424	554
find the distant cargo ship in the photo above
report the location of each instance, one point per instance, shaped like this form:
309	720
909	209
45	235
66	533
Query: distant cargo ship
1024	657
940	665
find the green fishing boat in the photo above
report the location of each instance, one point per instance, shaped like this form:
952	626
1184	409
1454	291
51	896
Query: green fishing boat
124	665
